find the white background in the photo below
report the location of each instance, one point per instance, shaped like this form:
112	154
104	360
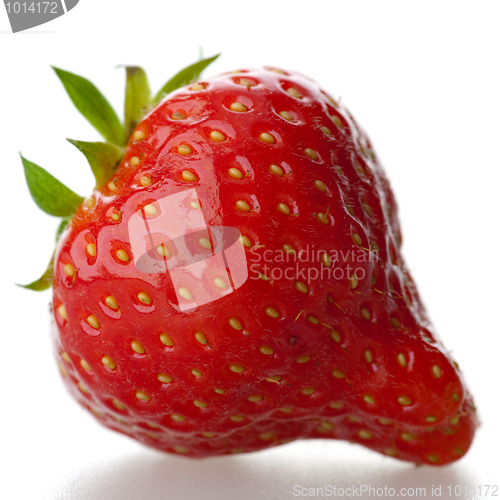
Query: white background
422	78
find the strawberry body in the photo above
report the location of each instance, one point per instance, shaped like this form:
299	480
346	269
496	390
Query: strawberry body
325	338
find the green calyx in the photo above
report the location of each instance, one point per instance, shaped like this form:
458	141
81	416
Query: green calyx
51	195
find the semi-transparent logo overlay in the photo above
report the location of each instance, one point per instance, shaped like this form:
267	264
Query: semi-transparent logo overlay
205	263
27	14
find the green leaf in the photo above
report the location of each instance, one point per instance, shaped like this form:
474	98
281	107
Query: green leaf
45	281
184	77
93	106
61	228
102	157
51	195
137	98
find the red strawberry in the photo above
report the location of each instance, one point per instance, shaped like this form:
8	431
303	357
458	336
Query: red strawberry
176	332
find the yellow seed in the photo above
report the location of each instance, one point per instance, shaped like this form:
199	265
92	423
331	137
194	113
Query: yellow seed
384	421
320	186
197	86
307	391
391	452
365	434
196	372
454	420
204	242
395	322
270	311
325	427
337	121
430	419
357	239
368	356
164	378
368	399
283	208
404	400
294	92
286	410
433	458
200	337
90	202
255	398
177	115
326	130
208	434
235	173
336	405
91	249
338	373
69	269
184	149
122	255
112	186
137	347
66	358
276	170
335	335
85	365
93	322
162	250
118	405
166	339
188	176
402	360
436	371
238	107
266	349
146	181
220	283
235	323
300	287
217	136
108	362
313	319
365	313
303	359
185	293
246	82
353	281
286	115
325	259
116	216
138	135
150	210
243	206
310	153
62	311
200	404
237	418
455	397
267	138
219	391
177	418
83	388
288	249
144	297
134	161
266	436
236	368
245	241
195	205
142	396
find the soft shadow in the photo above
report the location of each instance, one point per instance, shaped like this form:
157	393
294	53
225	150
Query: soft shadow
280	473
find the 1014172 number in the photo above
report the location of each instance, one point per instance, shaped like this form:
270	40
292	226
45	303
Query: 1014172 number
33	7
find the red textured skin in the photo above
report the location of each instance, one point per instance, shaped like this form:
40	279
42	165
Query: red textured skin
358	201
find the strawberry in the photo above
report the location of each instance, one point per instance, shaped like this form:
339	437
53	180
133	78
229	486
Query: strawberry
235	281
